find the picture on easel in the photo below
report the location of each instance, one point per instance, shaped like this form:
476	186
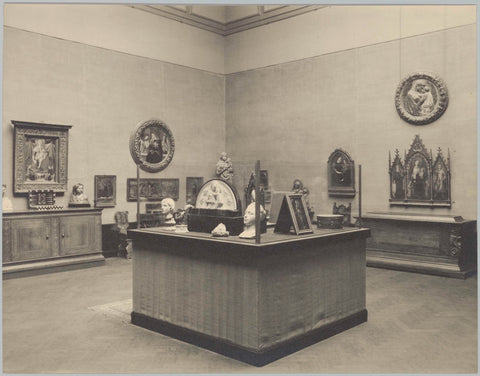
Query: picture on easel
293	215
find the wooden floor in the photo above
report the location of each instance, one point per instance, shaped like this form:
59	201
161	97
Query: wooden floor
77	322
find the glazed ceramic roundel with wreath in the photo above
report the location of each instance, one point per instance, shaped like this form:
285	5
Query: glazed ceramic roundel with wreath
152	145
421	98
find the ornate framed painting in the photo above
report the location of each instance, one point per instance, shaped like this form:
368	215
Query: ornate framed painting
40	157
420	180
421	98
153	189
341	174
152	145
105	191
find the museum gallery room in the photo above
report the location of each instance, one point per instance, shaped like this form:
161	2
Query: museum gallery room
239	188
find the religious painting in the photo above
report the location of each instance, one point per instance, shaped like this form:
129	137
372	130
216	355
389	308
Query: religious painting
105	191
421	98
341	174
192	187
441	180
397	178
40	157
420	181
293	215
153	189
152	145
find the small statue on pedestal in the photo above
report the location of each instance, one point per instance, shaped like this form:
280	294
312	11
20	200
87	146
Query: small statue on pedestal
224	168
121	226
78	197
6	203
249	221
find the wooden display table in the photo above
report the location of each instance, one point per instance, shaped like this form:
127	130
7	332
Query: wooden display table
442	245
35	242
251	302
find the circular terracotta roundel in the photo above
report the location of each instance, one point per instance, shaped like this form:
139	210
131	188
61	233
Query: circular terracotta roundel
421	98
152	145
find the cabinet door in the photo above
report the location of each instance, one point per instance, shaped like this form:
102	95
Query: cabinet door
31	239
77	235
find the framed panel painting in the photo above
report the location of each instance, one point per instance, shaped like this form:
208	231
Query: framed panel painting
40	157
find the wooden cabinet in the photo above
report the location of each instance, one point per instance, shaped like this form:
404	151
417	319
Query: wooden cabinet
442	245
48	240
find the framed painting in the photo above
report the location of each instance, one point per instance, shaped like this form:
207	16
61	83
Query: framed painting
294	214
40	157
192	187
421	98
341	174
152	145
105	191
153	189
420	180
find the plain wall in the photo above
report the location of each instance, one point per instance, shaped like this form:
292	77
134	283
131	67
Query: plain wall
292	116
104	94
338	28
124	29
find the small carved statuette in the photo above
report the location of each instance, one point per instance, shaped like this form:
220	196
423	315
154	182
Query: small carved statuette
224	168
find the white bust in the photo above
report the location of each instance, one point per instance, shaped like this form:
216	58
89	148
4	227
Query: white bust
168	206
249	221
6	203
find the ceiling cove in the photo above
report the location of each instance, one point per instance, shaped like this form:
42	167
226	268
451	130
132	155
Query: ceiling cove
229	19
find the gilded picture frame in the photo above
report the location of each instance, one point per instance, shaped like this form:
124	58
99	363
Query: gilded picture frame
153	189
421	98
105	191
152	145
40	157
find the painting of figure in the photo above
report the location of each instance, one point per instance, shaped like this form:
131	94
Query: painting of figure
40	159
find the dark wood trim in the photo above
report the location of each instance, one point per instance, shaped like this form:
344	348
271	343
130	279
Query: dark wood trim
256	358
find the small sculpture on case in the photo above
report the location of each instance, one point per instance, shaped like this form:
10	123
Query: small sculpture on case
6	203
78	197
220	231
224	168
249	221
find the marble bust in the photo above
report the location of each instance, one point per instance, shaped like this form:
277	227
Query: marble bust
78	197
168	207
249	221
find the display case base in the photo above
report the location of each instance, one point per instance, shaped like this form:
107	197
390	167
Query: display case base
254	357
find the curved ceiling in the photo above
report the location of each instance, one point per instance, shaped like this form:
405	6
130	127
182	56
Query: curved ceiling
227	19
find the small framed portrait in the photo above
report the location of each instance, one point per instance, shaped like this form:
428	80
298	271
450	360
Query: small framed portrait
299	213
152	145
341	174
105	191
192	188
40	157
293	214
421	98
